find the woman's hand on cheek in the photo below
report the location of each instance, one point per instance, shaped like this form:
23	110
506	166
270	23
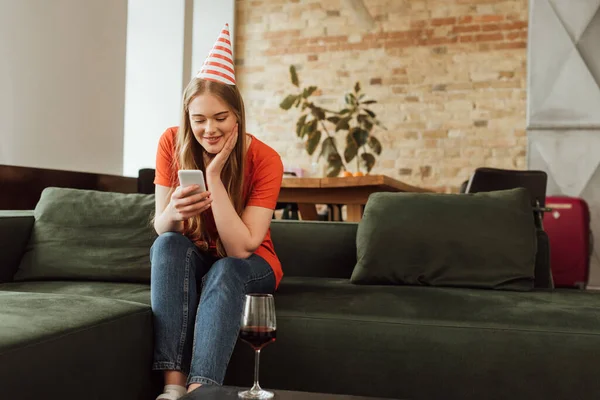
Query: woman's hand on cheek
216	165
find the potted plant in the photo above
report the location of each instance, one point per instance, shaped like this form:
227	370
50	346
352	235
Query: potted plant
356	119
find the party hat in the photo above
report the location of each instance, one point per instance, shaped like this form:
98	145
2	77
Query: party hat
218	66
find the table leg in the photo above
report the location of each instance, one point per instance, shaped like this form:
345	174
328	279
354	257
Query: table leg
354	212
308	211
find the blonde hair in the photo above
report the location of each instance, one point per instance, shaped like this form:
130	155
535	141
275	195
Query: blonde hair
190	155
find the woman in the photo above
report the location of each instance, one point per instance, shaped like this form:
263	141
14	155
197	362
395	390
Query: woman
213	247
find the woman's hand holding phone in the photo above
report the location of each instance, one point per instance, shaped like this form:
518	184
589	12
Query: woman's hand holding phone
187	202
191	197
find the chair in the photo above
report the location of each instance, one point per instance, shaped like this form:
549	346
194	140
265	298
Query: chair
145	182
491	179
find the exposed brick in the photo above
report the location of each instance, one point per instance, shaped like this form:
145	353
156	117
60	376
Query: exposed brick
440	71
466	28
489	18
514	25
418	24
490	27
443	21
425	171
510	46
489	37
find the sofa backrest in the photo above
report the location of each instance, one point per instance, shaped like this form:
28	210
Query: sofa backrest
315	249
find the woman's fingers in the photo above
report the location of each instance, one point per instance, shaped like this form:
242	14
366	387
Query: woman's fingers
194	209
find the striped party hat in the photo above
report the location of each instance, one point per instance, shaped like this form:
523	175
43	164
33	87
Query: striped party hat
218	66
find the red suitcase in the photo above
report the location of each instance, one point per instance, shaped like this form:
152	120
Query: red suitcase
568	229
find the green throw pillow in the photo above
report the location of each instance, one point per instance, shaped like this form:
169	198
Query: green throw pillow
483	240
90	235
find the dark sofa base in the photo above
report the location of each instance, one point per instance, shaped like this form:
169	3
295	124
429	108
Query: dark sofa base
74	347
336	337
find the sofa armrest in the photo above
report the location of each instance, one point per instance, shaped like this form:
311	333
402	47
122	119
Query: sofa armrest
15	229
543	273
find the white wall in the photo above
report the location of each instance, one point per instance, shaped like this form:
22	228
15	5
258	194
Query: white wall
209	18
160	48
155	62
62	79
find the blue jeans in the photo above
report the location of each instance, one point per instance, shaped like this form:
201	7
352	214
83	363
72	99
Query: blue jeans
197	301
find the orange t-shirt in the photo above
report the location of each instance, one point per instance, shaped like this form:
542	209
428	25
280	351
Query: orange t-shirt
263	177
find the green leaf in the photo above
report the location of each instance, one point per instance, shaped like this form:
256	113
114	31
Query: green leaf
294	76
313	141
298	102
318	112
334	120
369	102
350	99
345	111
362	96
334	165
359	135
365	121
351	149
371	113
308	91
343	124
327	147
357	87
368	160
310	127
374	144
300	125
288	102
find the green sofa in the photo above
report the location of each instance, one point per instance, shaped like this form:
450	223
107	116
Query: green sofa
92	337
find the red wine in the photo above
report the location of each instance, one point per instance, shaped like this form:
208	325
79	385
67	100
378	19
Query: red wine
258	336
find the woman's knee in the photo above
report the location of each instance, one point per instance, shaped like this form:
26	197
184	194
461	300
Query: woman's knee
236	272
226	268
170	243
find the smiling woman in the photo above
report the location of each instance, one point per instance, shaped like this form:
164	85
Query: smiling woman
215	246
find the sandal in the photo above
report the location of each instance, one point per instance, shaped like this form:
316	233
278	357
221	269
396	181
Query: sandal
172	392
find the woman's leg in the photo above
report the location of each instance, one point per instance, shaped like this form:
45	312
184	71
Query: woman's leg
220	311
177	264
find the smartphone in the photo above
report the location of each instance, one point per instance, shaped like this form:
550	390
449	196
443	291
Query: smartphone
188	177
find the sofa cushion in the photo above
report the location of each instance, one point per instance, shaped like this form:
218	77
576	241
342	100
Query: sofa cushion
137	292
318	249
474	343
85	234
51	344
484	240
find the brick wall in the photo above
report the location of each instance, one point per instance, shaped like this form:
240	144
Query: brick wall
449	77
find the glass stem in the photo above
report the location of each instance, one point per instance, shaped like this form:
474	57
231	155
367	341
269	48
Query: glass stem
256	386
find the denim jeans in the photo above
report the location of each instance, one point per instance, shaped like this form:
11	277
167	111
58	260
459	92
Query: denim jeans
197	301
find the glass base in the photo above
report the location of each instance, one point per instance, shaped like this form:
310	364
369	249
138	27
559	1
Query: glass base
255	394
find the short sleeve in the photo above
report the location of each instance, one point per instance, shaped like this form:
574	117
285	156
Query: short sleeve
165	159
266	182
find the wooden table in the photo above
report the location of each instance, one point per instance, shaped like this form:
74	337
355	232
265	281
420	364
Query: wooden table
350	191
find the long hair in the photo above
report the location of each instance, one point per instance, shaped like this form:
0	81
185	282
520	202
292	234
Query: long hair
190	155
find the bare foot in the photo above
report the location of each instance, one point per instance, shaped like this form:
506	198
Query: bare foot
193	387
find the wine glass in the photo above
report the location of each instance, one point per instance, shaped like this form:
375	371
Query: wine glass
258	329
